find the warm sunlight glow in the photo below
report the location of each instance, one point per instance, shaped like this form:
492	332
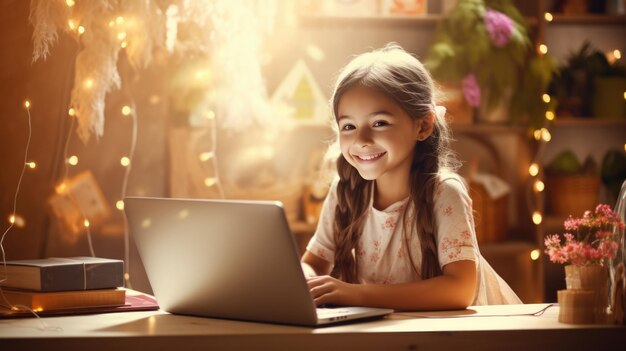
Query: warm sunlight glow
70	3
546	98
119	20
533	169
548	17
126	110
539	185
119	205
125	161
537	218
73	160
549	115
534	254
121	36
124	44
210	115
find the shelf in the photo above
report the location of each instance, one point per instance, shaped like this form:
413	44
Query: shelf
486	128
589	19
589	122
428	20
423	20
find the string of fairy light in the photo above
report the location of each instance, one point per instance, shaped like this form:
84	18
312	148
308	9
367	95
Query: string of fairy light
543	136
208	157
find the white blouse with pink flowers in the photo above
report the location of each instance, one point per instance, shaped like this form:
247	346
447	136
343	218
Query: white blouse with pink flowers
382	254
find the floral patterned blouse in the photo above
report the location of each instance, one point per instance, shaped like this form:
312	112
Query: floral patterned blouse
382	253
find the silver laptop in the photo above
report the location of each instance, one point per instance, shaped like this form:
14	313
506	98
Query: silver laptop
227	259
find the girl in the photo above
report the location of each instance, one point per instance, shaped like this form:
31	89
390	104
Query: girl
396	230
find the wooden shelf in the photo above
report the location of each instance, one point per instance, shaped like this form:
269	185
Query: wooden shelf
485	128
589	122
589	19
428	20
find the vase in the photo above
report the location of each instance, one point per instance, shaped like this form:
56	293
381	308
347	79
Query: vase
586	298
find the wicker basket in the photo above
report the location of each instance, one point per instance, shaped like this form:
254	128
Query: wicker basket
490	215
572	194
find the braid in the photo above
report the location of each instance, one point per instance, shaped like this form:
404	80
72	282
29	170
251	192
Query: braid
353	197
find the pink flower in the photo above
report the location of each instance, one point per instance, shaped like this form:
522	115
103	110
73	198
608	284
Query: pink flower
471	90
592	240
499	26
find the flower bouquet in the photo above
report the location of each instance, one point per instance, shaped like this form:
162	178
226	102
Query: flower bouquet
588	247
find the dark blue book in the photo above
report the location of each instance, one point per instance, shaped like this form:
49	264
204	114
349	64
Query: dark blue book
63	274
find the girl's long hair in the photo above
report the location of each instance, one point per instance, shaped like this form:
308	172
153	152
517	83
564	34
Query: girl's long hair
404	79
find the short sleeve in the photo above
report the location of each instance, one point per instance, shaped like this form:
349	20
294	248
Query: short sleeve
322	244
456	237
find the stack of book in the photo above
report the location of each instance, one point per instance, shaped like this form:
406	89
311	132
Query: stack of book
62	284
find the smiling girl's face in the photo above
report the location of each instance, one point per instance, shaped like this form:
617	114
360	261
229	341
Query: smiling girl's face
376	135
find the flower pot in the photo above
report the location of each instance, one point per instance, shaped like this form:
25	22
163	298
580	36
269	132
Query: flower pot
587	296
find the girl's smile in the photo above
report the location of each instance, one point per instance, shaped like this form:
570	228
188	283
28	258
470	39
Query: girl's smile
369	158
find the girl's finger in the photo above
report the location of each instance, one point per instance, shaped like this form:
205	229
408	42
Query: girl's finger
321	290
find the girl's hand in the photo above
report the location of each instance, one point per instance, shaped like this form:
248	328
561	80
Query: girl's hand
327	290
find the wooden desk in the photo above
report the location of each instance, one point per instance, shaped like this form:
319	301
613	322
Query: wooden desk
158	330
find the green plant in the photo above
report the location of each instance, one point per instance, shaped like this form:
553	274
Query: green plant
483	44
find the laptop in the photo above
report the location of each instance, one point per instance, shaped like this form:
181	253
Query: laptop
228	259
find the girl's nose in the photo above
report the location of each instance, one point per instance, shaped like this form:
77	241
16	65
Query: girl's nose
364	137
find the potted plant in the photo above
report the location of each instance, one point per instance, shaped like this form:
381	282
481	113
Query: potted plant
588	247
481	47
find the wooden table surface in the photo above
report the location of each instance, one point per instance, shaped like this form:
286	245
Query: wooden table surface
477	328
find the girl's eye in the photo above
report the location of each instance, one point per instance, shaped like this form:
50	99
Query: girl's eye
380	123
347	127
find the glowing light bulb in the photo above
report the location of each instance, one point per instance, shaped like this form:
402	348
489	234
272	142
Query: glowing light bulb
534	254
88	83
625	95
119	20
549	115
73	160
119	205
210	115
617	54
205	156
210	181
86	223
124	44
72	24
70	3
12	219
539	186
546	98
126	276
111	23
126	110
545	135
81	30
537	134
548	17
31	164
125	161
71	112
121	35
17	220
60	189
27	104
533	169
537	218
543	49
